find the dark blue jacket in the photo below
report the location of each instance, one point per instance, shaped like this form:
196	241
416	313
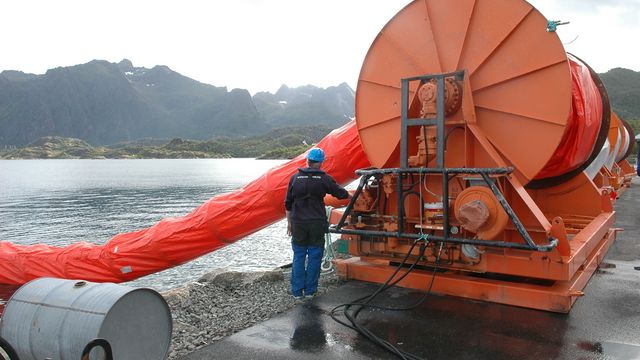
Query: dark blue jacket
305	194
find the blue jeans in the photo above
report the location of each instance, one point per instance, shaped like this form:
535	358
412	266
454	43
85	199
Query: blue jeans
305	270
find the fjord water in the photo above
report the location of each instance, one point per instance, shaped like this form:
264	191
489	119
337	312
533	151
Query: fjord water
59	202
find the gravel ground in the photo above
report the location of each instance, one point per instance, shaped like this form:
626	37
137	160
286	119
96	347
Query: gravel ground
220	304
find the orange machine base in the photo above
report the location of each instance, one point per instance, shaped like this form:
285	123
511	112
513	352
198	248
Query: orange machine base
623	188
557	296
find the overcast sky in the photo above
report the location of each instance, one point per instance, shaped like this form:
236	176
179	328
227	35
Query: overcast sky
260	44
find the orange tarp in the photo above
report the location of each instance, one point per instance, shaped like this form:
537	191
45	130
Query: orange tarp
583	126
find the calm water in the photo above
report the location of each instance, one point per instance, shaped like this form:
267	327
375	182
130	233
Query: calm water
59	202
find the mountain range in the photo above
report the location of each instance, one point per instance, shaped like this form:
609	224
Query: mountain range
623	87
105	103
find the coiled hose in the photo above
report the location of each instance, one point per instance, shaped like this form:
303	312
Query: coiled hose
327	265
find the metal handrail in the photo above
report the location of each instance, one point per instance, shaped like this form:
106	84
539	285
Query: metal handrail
483	172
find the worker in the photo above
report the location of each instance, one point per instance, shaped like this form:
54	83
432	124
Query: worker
307	221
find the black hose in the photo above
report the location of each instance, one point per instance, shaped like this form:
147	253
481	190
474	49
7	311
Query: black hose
104	344
380	289
366	332
8	350
364	302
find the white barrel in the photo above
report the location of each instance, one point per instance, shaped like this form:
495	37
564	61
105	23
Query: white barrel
626	142
614	152
55	319
594	168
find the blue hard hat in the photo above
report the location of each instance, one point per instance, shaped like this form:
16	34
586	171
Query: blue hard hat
315	154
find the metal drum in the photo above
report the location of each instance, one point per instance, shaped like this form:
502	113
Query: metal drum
55	319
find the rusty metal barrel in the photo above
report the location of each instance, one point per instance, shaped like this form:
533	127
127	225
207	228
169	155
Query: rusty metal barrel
51	318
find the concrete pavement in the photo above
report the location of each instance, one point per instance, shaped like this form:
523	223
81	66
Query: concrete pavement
603	324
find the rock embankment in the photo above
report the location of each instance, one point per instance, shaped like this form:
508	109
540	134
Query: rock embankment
220	304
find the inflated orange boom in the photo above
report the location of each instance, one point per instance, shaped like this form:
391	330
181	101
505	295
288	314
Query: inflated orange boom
220	221
481	127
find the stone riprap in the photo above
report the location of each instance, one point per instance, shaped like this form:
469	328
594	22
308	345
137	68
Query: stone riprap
222	303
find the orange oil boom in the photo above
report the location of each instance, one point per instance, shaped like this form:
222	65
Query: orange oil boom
215	224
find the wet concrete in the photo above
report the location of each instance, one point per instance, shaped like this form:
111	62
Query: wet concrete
604	324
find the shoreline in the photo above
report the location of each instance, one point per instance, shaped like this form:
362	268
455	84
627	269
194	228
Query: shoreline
220	304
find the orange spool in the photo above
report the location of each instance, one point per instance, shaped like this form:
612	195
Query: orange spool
632	137
520	78
625	134
615	139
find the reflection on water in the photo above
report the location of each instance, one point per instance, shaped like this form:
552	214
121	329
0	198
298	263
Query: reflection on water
59	202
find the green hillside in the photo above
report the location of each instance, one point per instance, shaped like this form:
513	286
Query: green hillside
623	87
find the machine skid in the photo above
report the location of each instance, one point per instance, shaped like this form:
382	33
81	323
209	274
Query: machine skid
556	296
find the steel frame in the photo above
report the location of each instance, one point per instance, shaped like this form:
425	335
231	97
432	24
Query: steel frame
565	262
